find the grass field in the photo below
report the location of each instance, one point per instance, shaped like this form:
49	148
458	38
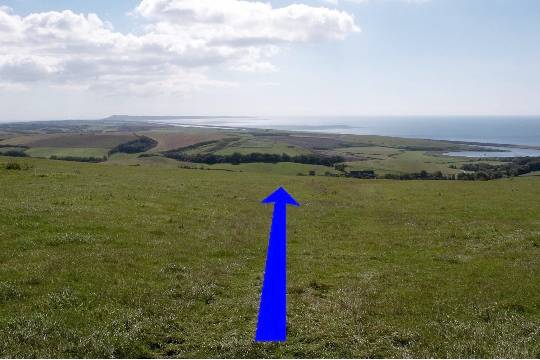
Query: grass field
174	140
279	168
405	162
253	145
283	168
135	160
148	261
402	143
71	140
402	162
45	152
381	154
371	152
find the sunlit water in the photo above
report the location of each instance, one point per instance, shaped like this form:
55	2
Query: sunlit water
521	131
505	152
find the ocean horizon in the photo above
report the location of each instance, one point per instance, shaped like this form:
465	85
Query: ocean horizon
515	130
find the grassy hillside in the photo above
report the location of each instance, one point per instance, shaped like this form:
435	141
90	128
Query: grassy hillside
282	168
250	145
169	140
408	162
101	261
381	154
47	152
71	140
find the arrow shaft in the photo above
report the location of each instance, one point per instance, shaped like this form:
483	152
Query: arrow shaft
272	322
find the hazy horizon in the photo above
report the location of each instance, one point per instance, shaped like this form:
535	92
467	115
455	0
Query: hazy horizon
517	130
217	116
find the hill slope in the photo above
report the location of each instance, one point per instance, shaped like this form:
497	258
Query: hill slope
102	261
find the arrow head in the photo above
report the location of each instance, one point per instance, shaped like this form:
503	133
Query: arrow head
280	196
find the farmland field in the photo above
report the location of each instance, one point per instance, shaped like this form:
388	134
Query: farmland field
80	140
380	154
47	152
146	261
282	168
174	140
407	162
251	145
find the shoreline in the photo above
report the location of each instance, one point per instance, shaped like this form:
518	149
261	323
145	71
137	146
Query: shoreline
485	149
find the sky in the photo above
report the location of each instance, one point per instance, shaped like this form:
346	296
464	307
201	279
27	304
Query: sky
82	59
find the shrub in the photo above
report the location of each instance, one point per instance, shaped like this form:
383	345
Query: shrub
13	166
142	144
90	159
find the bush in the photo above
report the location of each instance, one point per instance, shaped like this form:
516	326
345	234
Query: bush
13	165
90	159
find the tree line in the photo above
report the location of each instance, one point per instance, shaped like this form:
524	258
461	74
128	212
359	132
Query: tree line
14	153
476	171
422	175
90	159
238	158
485	171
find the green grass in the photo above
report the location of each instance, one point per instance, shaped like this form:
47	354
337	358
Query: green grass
120	261
377	152
534	173
402	143
255	145
135	160
279	168
283	168
410	162
384	155
47	152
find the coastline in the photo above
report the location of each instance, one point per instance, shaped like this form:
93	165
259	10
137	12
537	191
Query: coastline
486	146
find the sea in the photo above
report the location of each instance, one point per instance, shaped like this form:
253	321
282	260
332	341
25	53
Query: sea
521	131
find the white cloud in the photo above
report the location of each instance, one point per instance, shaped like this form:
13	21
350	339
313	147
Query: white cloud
247	22
336	2
181	40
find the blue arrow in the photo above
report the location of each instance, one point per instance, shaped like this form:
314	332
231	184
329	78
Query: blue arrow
272	324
